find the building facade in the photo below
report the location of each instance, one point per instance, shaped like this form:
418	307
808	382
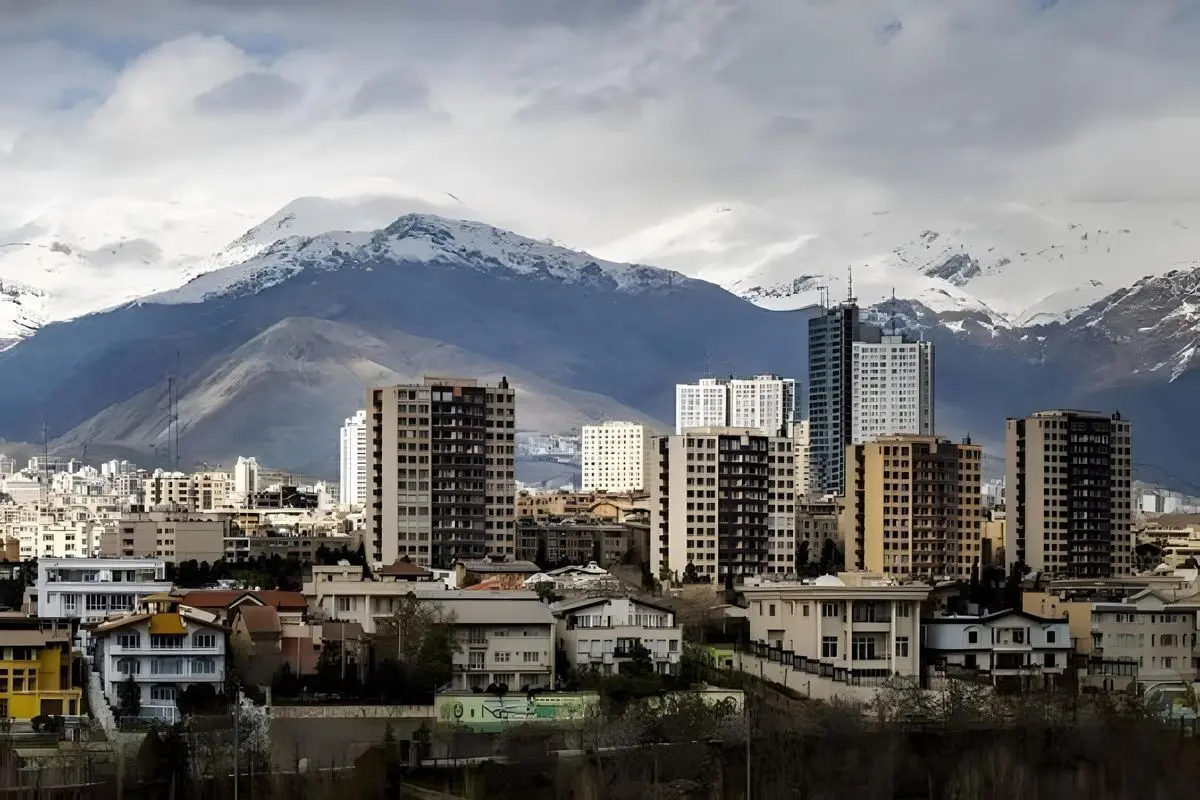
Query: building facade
171	536
765	402
88	589
914	507
352	457
831	338
36	675
603	633
1069	505
892	387
440	461
722	501
1146	639
614	457
1009	647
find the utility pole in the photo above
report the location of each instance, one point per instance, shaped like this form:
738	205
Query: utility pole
237	702
746	715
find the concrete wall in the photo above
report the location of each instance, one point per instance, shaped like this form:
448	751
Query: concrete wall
351	712
805	683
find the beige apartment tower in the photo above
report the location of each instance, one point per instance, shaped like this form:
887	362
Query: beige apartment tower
440	471
914	507
1067	492
724	501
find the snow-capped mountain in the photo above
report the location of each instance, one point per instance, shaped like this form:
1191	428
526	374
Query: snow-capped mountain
1013	264
416	238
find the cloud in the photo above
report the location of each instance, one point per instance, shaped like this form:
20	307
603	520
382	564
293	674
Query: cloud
585	119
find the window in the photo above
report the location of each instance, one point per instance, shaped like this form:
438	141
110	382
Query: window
903	609
345	604
129	666
1168	662
771	610
829	610
165	641
531	657
829	646
1018	635
901	647
204	640
862	648
972	637
166	666
203	666
501	657
130	641
163	694
22	654
1050	637
1168	640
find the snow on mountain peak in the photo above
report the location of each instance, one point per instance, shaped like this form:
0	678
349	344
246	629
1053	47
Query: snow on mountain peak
416	238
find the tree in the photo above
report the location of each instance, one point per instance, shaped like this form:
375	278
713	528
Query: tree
832	560
129	697
420	634
545	590
689	574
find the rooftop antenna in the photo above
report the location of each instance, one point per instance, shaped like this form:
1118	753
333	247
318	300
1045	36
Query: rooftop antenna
849	283
45	463
892	321
175	416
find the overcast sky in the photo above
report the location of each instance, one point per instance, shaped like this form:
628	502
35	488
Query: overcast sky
582	119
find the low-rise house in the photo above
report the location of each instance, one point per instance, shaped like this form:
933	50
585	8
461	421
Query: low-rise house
89	589
510	574
1006	648
341	593
164	649
856	627
36	674
225	603
1147	639
503	637
605	633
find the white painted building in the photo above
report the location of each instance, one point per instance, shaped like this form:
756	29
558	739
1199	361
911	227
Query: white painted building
1007	645
245	479
614	457
802	448
764	402
352	456
892	389
88	589
602	633
165	652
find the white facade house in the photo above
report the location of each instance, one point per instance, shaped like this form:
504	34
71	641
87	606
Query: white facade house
1007	645
352	454
763	402
892	389
164	652
88	589
614	457
602	633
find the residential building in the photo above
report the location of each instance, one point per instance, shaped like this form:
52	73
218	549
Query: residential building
441	471
225	604
561	503
577	541
1011	648
352	457
614	457
604	633
200	491
816	524
1069	504
722	501
503	638
88	589
1146	639
340	593
36	671
245	479
802	449
164	649
509	574
171	536
850	627
766	403
831	338
892	388
914	507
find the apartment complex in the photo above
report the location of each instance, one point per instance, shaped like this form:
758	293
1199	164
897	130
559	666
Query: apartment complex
766	403
576	541
831	338
723	501
352	460
1145	639
200	491
914	507
1069	503
440	466
88	589
171	536
892	387
614	457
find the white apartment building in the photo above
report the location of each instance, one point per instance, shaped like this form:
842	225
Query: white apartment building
764	402
339	593
614	457
892	390
602	633
352	452
722	500
69	539
503	638
1012	647
88	589
245	479
846	627
802	449
165	652
199	491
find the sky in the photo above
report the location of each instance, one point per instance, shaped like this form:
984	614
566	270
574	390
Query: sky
586	119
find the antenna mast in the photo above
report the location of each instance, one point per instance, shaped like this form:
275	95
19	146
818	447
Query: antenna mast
45	464
175	415
893	319
850	284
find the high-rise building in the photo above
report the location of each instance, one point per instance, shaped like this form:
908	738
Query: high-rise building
352	457
763	402
1069	506
723	501
614	457
892	389
245	478
440	471
914	508
801	448
831	338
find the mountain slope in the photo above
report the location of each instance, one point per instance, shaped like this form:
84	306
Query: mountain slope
273	388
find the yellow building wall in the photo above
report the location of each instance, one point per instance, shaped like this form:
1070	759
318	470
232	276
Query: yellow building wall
27	703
